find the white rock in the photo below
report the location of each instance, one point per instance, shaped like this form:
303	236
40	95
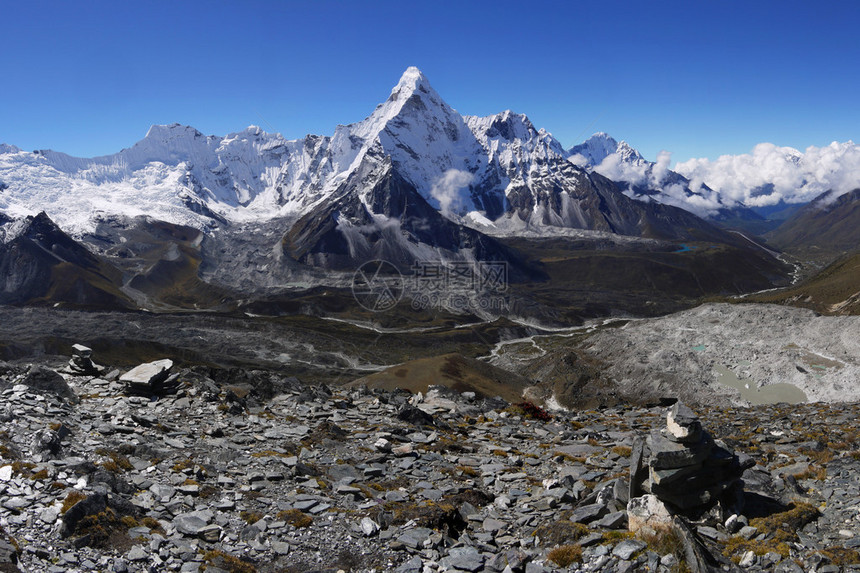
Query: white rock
5	473
647	513
81	350
368	526
49	515
748	560
382	445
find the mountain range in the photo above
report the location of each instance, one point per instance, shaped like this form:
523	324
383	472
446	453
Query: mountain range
498	173
180	212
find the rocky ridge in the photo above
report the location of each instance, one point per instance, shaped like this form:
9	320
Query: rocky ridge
252	471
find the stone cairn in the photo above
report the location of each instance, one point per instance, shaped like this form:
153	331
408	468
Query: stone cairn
687	474
687	471
81	363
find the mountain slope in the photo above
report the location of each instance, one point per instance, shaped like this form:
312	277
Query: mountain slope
834	290
460	373
41	264
378	214
827	226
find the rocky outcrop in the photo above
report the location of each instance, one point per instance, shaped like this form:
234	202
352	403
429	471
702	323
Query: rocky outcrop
42	380
43	264
687	474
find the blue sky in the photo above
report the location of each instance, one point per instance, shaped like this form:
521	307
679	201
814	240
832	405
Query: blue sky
699	79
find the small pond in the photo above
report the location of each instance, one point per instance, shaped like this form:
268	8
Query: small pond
770	394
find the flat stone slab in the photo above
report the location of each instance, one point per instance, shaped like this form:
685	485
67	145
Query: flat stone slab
577	450
149	373
627	548
684	498
415	538
463	559
81	350
614	520
669	476
668	454
588	513
192	523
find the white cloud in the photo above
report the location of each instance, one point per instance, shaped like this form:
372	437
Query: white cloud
664	158
579	160
770	173
448	189
614	167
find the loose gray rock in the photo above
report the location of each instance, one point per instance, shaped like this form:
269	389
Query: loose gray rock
463	559
191	523
43	379
627	548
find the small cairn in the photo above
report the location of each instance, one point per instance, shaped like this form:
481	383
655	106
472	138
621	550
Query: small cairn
689	470
687	474
81	363
151	379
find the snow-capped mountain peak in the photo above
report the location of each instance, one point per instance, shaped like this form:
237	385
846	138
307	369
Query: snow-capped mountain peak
412	80
427	140
628	153
171	131
594	150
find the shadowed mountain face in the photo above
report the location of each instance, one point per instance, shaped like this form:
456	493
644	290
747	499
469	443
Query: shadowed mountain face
378	214
44	265
827	226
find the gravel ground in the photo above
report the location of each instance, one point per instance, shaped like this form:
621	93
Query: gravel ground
247	471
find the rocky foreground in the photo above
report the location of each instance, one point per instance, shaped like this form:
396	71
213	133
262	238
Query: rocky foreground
250	471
